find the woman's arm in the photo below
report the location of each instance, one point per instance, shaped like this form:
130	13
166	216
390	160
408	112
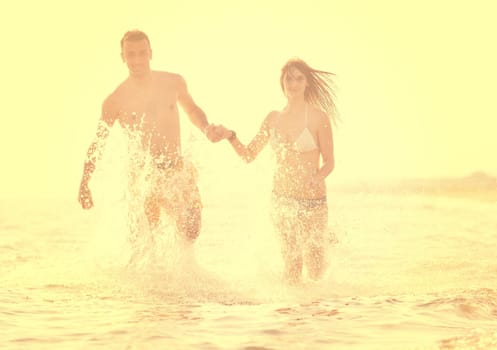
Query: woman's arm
325	140
249	153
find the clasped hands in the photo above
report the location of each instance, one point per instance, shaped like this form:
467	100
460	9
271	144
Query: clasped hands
216	133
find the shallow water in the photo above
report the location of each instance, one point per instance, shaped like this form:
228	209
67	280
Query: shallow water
408	272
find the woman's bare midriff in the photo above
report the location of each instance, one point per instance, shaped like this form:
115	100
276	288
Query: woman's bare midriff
293	175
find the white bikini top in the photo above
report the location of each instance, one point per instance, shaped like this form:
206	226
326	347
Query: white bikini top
303	143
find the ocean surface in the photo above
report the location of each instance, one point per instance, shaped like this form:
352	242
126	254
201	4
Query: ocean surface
407	270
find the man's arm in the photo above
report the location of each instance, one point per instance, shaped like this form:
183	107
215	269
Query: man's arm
94	153
96	148
195	113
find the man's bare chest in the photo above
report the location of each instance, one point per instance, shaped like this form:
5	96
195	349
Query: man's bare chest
147	106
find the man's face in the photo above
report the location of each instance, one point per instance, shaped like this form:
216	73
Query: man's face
137	56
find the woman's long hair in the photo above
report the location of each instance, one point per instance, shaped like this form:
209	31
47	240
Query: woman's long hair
320	91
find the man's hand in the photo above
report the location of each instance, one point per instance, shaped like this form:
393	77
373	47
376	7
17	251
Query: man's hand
214	133
224	132
84	197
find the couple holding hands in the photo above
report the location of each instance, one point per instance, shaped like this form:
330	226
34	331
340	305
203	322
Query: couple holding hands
300	134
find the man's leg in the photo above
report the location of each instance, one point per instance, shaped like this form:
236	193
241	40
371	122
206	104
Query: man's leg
143	240
152	211
189	223
189	217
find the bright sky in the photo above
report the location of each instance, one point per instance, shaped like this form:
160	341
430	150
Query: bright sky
416	79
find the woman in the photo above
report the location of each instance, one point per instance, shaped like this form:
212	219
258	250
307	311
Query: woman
301	136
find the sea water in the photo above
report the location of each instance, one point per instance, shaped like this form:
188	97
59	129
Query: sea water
406	271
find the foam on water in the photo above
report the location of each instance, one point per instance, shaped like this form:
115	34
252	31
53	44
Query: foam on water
159	259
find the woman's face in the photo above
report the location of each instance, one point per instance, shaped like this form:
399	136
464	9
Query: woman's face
294	83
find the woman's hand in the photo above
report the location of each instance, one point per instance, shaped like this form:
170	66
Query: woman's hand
224	132
213	132
315	180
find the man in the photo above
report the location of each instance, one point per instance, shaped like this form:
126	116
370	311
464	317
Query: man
145	105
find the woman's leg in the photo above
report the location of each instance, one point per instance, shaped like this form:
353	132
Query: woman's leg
292	255
315	222
287	226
